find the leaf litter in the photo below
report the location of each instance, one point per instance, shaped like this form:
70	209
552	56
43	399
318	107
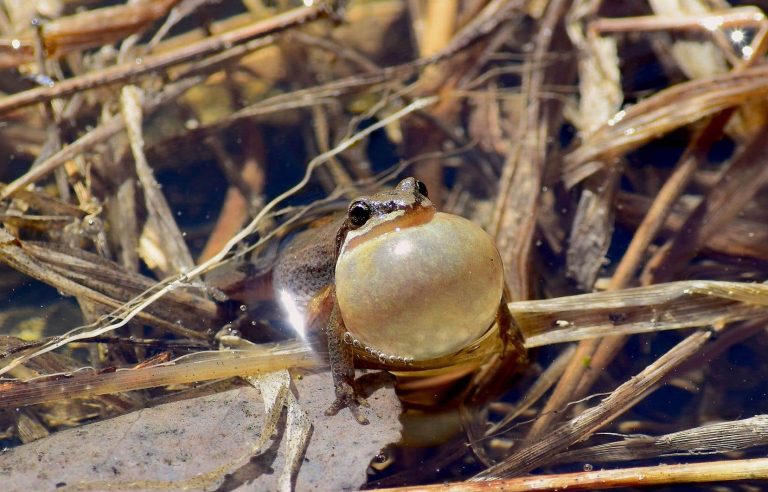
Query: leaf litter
235	439
86	215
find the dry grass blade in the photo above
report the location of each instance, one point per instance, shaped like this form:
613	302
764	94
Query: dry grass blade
201	366
160	224
224	130
95	279
663	112
153	63
12	253
719	438
539	452
637	310
735	188
518	199
712	472
739	237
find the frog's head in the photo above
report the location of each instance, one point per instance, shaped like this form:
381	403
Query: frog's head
406	205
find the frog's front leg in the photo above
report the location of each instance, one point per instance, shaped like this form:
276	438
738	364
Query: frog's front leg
341	355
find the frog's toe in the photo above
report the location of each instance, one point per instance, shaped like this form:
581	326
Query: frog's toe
361	419
347	398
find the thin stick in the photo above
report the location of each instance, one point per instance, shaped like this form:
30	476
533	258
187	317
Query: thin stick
564	389
735	17
93	137
735	188
129	70
538	452
172	283
200	366
654	221
715	471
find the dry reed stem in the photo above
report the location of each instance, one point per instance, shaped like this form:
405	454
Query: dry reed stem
740	237
540	451
663	112
86	142
738	184
137	306
160	223
200	366
517	202
716	438
152	63
708	472
599	355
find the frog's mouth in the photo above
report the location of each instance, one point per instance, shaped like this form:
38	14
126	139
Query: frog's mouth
391	222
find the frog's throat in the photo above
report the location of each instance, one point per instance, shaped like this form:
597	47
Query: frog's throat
394	221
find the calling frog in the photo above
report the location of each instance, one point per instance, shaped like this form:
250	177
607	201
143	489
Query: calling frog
394	284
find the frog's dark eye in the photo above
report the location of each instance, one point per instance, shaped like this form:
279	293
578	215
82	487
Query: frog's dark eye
359	213
422	188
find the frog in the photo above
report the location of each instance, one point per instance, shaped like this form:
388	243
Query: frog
396	285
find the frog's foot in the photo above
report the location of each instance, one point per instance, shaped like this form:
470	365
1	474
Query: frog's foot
346	397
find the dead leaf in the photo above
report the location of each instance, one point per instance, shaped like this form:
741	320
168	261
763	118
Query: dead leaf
200	443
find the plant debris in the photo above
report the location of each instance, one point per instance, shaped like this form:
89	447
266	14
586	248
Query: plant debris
153	154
